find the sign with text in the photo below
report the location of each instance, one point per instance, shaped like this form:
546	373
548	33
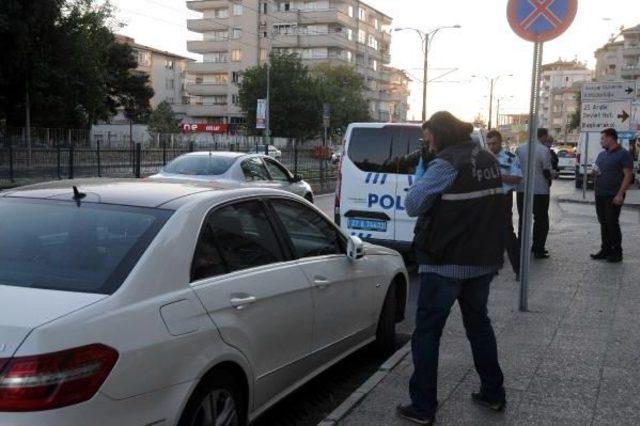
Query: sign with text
261	114
609	91
597	116
205	128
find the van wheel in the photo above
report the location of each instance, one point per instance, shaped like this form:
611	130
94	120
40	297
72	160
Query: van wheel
217	401
386	332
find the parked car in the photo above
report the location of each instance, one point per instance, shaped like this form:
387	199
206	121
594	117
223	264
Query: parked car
566	162
132	302
254	170
273	151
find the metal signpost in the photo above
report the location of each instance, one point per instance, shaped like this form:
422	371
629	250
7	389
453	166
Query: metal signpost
536	21
605	105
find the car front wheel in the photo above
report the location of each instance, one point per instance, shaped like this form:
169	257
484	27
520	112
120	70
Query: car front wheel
216	402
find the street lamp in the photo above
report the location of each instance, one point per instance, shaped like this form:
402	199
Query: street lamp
492	83
426	38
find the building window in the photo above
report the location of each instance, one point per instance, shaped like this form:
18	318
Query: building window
362	14
264	8
144	59
349	56
374	65
168	64
235	100
349	34
236	55
235	77
216	57
216	79
350	11
237	33
216	36
376	24
362	36
263	54
284	6
237	9
222	13
169	84
285	29
373	43
214	100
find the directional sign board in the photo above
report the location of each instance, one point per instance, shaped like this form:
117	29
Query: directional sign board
541	20
608	104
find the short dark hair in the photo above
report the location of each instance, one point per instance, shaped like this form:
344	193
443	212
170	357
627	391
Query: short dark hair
611	133
447	130
543	131
494	134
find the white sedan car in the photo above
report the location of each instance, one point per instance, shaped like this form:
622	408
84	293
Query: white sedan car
254	170
148	303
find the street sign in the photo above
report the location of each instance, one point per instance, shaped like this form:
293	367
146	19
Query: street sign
609	91
541	20
326	115
597	116
261	114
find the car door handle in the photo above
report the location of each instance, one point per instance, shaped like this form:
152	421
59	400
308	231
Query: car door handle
241	302
321	282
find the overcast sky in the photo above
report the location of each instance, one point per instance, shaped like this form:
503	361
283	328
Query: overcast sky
484	46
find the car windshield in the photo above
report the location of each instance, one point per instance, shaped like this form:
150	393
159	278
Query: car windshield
211	165
59	245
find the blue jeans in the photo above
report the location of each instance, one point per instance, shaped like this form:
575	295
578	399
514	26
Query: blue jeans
437	296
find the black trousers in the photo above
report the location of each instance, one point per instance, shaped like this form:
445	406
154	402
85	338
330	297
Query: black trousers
512	242
540	220
608	216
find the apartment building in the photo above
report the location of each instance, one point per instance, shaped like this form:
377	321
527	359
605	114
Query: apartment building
167	75
393	104
237	34
559	96
620	59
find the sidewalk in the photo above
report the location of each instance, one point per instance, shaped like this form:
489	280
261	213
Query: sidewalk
632	200
573	359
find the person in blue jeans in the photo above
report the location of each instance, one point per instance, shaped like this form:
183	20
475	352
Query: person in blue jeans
459	241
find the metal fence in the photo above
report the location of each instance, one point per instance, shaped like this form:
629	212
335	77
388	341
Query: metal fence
20	165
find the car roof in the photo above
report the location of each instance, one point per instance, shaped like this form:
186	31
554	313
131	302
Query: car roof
381	125
130	192
224	154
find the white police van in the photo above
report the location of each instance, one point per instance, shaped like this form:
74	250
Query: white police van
374	178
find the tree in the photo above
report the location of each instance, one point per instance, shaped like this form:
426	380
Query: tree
343	89
296	107
162	120
574	118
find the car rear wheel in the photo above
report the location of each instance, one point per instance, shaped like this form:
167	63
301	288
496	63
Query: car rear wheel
216	402
386	332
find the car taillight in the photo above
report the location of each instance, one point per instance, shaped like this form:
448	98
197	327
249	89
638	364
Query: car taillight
336	206
54	380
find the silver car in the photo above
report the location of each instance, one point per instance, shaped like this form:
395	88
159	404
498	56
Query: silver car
253	170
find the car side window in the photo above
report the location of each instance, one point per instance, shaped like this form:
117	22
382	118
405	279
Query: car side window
276	171
254	170
244	236
310	233
207	261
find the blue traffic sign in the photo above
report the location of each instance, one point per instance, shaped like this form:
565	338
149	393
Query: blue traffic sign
541	20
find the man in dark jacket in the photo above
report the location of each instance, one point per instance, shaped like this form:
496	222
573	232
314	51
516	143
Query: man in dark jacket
459	241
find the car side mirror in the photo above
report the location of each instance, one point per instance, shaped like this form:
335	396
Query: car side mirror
296	178
355	248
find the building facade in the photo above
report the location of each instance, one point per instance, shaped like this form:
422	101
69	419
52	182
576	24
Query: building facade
237	35
620	59
393	103
559	96
167	75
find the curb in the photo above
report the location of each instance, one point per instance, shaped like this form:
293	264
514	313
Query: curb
593	203
358	395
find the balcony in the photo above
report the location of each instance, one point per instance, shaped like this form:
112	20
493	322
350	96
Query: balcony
207	67
630	72
333	61
207	110
200	46
204	25
631	51
325	40
200	6
207	89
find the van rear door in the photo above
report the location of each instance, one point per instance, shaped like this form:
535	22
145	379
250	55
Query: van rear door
408	142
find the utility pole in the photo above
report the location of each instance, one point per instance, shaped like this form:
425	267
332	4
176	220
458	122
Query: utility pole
491	86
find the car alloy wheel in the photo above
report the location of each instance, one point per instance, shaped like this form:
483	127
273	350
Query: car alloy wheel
218	408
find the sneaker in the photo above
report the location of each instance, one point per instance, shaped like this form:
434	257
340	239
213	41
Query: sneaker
495	405
541	254
410	413
601	255
614	258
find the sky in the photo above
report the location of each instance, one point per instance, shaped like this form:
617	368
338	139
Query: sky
484	46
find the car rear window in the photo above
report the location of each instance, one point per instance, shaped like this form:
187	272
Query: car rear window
200	165
383	150
58	245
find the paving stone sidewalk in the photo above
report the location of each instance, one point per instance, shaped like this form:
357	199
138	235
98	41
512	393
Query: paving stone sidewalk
572	360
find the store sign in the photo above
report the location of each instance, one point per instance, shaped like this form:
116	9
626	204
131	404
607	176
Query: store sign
205	128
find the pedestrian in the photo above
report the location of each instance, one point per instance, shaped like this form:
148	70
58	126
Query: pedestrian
541	190
555	161
459	203
511	177
613	175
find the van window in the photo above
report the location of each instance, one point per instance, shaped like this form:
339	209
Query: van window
382	150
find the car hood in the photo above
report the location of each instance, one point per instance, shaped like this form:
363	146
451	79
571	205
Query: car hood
23	309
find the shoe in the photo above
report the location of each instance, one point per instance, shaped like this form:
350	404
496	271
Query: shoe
614	258
481	399
410	413
601	255
541	254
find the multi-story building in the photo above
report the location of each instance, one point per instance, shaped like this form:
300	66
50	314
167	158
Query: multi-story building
620	59
393	95
559	90
167	74
237	35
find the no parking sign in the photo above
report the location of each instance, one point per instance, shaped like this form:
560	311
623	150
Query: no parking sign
541	20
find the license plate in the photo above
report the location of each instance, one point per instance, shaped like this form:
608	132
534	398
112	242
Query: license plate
367	225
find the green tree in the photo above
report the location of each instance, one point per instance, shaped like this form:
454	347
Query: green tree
162	120
343	89
296	108
574	118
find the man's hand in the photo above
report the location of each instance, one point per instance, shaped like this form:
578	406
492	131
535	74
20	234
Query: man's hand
618	200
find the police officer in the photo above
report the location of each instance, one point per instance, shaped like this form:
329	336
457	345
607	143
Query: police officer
511	178
460	206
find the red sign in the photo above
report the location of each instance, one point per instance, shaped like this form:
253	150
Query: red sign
541	20
205	128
